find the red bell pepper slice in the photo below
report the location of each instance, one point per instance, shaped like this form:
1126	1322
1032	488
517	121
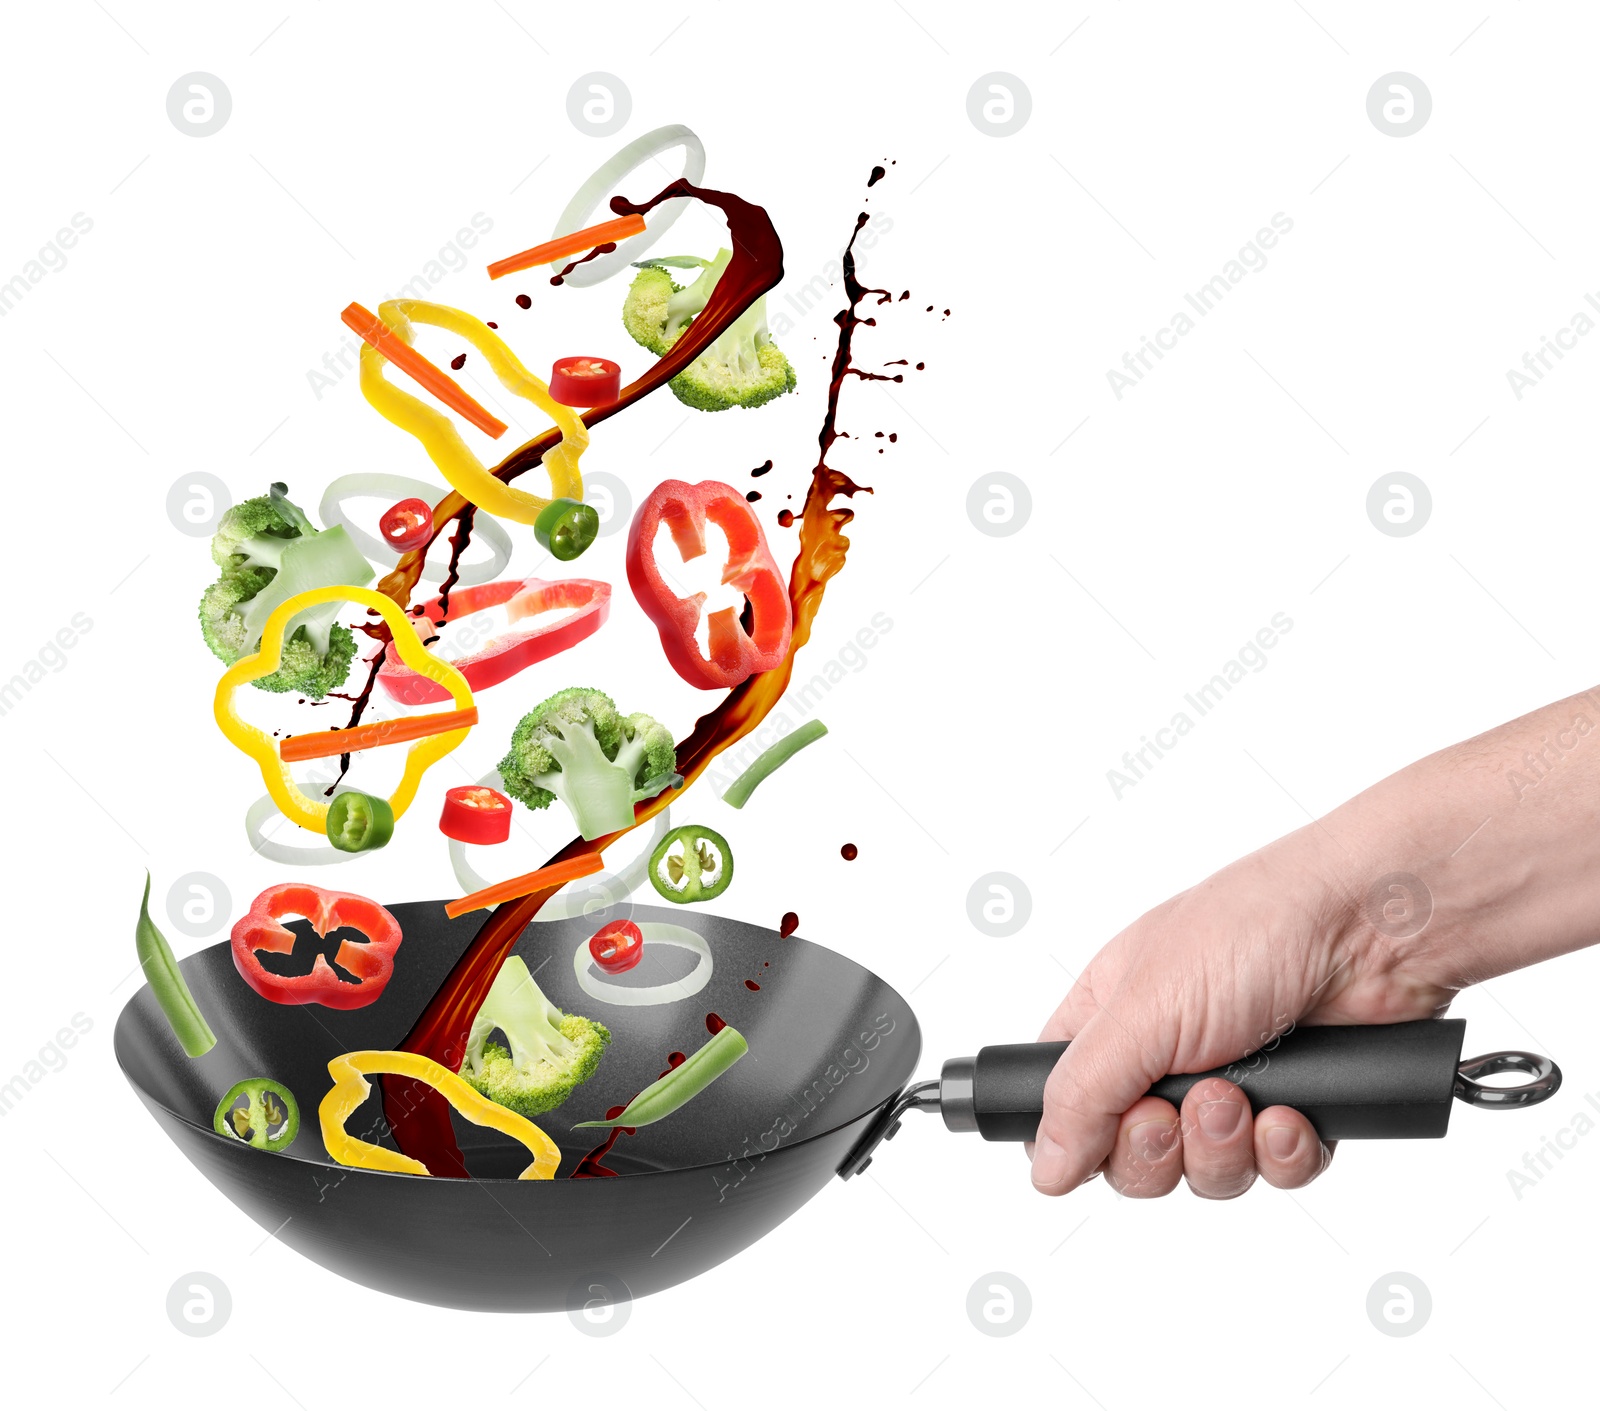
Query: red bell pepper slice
505	655
733	653
372	964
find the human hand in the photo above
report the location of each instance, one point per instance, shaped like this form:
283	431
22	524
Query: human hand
1217	972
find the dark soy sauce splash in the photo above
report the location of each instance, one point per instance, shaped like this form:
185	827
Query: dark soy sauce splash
418	1117
594	254
591	1164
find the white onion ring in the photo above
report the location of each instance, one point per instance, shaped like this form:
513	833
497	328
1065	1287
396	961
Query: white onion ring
402	487
662	933
606	178
576	898
255	818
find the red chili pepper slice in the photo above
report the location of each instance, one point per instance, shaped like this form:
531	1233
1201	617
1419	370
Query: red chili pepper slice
407	525
585	382
503	656
733	652
372	964
617	946
475	813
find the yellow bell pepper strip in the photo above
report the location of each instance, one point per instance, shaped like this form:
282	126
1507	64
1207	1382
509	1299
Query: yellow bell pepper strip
261	747
350	1089
466	473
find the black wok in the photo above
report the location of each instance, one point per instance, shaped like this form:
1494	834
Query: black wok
831	1049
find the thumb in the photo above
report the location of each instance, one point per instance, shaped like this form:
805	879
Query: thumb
1106	1069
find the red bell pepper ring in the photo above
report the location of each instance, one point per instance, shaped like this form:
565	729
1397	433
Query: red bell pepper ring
261	930
732	653
510	652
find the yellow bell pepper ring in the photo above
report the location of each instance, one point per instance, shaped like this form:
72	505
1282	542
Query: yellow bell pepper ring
350	1089
261	747
466	473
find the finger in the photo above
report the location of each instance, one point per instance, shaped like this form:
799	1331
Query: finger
1219	1156
1288	1152
1147	1158
1099	1078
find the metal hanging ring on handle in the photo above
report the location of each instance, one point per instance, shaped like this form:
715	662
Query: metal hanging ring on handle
1544	1079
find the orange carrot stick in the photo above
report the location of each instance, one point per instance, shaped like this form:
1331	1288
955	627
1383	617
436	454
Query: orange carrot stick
320	744
557	874
576	243
375	331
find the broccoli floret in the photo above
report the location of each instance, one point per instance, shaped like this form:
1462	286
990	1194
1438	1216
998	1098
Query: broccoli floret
644	312
550	1052
577	747
304	669
658	308
743	368
255	532
269	551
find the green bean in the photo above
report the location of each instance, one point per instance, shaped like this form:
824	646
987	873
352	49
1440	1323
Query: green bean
739	791
168	986
688	1080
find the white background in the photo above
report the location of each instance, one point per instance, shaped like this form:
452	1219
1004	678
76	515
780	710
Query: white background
1228	486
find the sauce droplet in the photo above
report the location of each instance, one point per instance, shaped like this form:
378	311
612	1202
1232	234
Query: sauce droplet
752	495
762	469
714	1024
458	362
849	852
785	518
524	302
790	924
751	985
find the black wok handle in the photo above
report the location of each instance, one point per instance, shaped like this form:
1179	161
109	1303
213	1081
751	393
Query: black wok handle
1378	1080
1369	1080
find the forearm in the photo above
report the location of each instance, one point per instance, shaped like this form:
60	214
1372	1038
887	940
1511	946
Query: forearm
1504	833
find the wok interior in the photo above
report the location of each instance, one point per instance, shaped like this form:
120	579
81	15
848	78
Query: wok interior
829	1041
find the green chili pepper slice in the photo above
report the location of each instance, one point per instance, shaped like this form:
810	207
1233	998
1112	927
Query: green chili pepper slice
700	871
787	748
260	1112
689	1079
359	822
566	528
167	984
